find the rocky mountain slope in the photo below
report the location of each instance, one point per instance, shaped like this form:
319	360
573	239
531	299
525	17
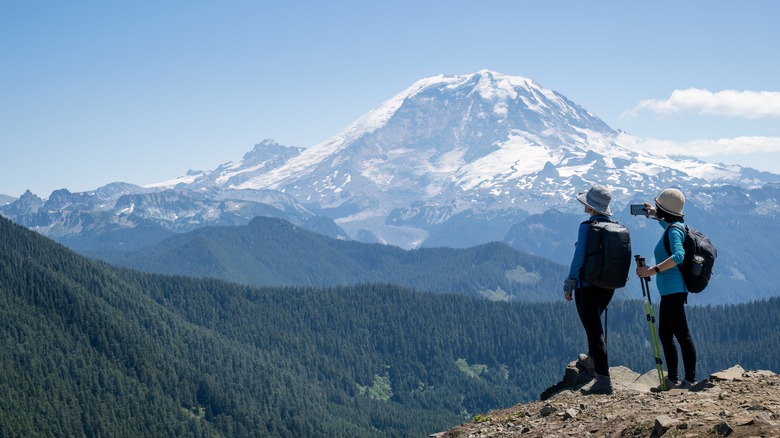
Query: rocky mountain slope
733	403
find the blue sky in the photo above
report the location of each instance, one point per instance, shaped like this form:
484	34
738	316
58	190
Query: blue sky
93	92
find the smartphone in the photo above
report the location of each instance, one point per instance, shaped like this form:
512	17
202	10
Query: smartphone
638	209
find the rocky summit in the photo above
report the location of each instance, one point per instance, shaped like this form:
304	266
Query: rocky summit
733	403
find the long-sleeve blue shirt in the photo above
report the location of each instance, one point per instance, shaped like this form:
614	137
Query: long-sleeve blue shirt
671	280
579	251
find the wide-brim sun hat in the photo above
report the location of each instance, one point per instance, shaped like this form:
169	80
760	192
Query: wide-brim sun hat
597	198
671	201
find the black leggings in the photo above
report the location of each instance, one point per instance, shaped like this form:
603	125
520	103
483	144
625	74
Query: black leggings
591	302
672	323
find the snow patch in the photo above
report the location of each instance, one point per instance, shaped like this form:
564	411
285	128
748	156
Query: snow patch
518	154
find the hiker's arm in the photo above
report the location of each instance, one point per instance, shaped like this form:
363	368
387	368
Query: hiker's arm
572	279
579	253
676	237
664	266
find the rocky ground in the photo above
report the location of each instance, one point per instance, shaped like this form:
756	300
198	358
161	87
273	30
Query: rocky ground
733	403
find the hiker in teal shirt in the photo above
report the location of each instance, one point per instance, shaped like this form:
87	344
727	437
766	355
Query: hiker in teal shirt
672	321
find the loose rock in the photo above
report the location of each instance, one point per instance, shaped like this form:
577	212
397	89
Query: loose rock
736	403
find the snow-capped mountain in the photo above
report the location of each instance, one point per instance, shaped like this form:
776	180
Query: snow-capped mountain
447	145
451	161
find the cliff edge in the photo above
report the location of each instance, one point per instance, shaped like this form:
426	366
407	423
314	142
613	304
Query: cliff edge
733	403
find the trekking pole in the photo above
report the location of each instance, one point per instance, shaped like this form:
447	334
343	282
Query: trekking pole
640	261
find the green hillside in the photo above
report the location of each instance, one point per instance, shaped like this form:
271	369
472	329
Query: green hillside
91	350
273	252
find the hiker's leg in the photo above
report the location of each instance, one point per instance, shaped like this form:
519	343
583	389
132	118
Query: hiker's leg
683	335
666	336
604	297
588	306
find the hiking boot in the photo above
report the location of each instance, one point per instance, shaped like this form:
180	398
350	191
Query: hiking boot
670	384
686	384
602	385
586	363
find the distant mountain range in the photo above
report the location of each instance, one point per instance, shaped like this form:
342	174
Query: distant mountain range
274	252
453	161
124	216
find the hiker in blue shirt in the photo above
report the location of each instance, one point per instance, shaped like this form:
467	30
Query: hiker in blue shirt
591	300
672	321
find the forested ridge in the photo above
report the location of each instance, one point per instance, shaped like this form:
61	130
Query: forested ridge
281	254
92	350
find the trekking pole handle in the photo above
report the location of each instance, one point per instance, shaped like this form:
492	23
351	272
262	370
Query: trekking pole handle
640	262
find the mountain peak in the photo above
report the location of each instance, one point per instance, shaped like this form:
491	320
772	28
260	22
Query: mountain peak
484	77
501	80
460	117
484	141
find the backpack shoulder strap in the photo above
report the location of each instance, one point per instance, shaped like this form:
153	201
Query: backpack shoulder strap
667	244
593	221
679	226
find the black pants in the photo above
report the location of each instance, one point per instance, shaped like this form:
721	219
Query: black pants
591	302
672	323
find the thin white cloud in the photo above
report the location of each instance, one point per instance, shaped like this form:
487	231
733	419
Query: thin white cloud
702	148
729	103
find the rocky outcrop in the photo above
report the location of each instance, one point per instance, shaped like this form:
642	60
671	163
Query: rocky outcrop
733	403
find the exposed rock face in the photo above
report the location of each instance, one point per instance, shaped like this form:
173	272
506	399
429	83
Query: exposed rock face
733	403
